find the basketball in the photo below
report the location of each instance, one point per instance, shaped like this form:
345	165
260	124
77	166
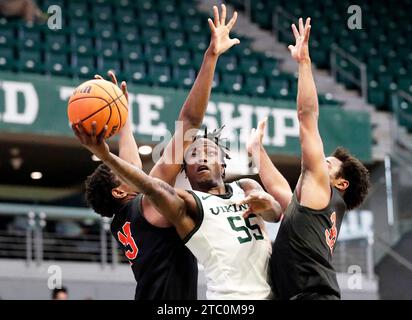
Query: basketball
101	101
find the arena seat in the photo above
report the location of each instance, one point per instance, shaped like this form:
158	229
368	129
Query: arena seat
160	42
381	43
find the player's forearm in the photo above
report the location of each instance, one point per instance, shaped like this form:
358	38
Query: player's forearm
163	196
194	108
307	98
273	181
128	149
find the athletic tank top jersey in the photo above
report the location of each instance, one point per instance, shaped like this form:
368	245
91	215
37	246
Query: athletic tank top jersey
301	263
234	251
162	265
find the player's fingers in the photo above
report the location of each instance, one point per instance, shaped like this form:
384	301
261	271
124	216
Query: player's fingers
80	127
247	213
112	76
93	135
295	31
223	17
301	29
232	21
102	134
98	76
290	47
262	124
235	41
76	130
216	16
307	23
211	25
124	89
307	34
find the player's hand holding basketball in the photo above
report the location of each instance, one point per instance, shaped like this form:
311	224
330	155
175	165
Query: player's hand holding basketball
113	77
220	40
96	144
300	51
259	202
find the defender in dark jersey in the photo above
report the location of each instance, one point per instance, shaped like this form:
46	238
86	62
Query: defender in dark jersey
163	267
301	263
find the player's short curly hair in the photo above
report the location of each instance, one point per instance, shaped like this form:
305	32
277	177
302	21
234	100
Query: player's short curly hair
213	136
99	187
358	176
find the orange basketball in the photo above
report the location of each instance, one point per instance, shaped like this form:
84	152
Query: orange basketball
100	101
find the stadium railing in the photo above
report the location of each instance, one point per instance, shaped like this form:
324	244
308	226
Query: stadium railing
39	233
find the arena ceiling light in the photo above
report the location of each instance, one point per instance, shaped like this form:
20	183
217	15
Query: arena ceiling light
145	150
36	175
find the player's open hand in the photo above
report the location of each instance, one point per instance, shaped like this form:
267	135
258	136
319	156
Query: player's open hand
300	51
93	142
220	40
259	202
256	137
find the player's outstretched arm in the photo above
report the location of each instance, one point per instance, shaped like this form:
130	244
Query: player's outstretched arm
160	194
273	181
194	108
259	201
128	149
314	170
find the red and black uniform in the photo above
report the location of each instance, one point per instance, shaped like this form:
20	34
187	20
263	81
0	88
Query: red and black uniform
301	262
162	265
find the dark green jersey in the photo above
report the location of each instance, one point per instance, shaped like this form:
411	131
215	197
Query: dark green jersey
301	262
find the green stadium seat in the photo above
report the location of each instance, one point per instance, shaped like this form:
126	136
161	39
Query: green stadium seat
83	45
231	82
80	27
7	60
105	64
175	38
180	56
156	53
376	95
132	51
77	9
194	24
199	41
56	41
136	71
84	66
7	33
127	33
102	12
171	21
255	85
227	62
148	18
160	74
143	5
57	63
109	48
30	61
152	35
184	76
30	38
104	29
125	16
249	64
